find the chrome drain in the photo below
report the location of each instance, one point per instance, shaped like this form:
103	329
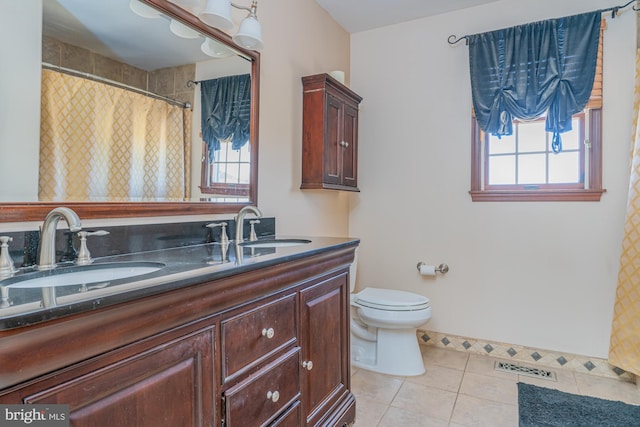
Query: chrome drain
525	370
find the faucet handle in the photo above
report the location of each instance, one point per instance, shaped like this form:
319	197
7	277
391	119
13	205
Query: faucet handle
223	231
252	234
7	268
84	256
95	233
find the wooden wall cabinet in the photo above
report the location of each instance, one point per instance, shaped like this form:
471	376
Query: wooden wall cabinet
329	134
268	347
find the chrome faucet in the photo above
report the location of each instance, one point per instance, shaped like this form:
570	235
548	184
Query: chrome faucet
240	220
47	257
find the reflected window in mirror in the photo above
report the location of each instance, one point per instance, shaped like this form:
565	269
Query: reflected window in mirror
225	124
229	171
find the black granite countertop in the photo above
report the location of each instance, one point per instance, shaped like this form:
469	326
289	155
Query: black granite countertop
180	267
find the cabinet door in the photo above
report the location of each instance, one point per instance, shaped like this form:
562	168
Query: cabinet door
168	385
332	172
324	331
349	147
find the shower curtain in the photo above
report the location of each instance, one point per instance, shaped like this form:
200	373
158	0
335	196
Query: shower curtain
103	143
624	348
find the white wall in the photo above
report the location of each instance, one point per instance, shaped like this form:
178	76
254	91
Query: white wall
20	97
300	39
528	273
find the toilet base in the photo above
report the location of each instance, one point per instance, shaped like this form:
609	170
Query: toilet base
395	352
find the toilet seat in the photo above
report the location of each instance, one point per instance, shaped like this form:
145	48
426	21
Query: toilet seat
390	300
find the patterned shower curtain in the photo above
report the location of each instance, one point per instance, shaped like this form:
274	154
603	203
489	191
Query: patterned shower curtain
624	348
103	143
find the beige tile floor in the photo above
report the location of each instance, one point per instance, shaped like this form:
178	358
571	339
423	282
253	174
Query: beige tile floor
460	389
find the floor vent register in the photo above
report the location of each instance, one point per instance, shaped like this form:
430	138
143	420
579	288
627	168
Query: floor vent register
525	370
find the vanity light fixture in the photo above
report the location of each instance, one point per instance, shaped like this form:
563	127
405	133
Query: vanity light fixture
214	49
217	13
190	5
143	10
181	30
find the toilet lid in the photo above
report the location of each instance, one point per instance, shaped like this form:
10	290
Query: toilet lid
391	299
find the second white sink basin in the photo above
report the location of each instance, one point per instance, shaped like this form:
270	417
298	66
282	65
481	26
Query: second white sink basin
97	273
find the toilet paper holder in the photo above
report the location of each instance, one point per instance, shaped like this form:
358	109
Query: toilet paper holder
442	268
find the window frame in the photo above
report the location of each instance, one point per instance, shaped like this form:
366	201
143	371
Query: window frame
548	192
218	188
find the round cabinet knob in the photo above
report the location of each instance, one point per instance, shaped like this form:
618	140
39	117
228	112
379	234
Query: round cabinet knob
273	396
344	144
269	333
308	365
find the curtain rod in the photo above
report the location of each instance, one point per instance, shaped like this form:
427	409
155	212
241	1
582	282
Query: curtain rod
114	83
453	39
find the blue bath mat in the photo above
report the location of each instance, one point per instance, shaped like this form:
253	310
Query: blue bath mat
544	407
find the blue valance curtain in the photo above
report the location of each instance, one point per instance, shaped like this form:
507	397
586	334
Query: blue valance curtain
524	71
226	111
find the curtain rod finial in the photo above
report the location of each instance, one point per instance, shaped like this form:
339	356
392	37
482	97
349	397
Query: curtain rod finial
453	39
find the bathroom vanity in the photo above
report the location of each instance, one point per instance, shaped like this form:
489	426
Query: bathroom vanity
238	336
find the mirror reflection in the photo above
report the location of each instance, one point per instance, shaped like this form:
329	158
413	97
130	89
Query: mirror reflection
122	108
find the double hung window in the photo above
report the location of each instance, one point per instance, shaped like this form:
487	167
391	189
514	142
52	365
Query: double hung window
524	166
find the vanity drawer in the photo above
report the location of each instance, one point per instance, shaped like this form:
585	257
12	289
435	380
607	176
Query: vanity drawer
251	336
258	399
291	418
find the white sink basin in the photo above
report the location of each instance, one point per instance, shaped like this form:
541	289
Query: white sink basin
98	273
275	243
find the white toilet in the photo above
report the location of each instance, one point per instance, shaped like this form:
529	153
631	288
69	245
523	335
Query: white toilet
383	329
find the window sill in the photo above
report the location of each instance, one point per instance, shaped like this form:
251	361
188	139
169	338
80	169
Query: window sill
591	195
241	190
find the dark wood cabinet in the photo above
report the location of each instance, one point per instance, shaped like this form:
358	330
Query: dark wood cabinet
329	134
168	384
266	347
324	337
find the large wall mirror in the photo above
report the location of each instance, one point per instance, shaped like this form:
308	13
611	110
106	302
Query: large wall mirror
158	51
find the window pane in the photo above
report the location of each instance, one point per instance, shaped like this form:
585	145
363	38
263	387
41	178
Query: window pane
531	137
570	139
245	173
219	173
234	156
245	152
504	145
224	146
564	167
531	169
232	172
502	170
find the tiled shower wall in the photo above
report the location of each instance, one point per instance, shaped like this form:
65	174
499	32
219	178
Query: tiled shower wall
170	82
